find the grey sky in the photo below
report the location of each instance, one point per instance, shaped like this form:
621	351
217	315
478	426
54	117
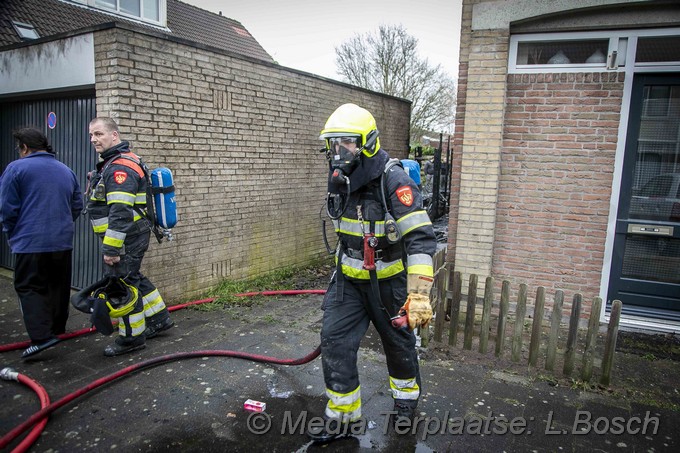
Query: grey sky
303	34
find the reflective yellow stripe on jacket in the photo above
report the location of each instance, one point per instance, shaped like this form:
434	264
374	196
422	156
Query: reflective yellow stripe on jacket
114	238
100	226
121	197
354	268
412	221
420	263
352	227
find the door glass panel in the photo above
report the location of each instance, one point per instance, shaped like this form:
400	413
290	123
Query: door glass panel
651	252
652	258
656	179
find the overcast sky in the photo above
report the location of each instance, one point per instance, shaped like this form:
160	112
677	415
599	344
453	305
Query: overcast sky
303	34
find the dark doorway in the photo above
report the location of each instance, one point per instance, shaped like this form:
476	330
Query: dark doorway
645	272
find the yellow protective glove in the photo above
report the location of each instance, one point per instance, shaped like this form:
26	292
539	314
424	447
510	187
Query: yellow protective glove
418	310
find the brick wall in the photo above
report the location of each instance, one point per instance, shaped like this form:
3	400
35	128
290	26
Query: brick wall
480	155
559	145
533	166
241	137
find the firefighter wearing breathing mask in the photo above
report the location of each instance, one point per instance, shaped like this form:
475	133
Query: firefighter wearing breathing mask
384	269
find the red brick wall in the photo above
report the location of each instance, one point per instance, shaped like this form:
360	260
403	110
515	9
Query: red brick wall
557	162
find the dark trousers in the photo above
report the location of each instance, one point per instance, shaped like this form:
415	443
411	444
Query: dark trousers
345	321
129	268
43	283
130	263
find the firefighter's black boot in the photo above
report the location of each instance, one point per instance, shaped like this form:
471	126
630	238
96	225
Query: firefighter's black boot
332	429
405	410
124	345
158	323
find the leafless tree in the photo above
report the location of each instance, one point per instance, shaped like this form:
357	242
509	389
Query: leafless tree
388	62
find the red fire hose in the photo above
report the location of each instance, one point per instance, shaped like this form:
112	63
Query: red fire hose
9	374
47	409
77	333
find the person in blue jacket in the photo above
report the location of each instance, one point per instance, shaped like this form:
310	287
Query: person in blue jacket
40	200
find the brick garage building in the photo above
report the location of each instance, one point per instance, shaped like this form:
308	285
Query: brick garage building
566	135
239	132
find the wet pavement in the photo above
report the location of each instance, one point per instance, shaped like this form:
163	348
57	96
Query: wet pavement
196	404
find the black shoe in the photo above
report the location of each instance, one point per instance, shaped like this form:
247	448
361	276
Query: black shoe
332	429
36	348
123	347
405	410
154	328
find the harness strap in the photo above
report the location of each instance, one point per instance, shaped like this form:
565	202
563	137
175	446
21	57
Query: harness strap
389	254
390	163
139	166
339	277
129	162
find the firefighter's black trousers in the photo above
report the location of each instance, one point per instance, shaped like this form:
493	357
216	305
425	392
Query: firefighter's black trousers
130	264
129	268
345	321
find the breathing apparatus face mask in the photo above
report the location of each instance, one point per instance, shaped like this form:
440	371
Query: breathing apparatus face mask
344	154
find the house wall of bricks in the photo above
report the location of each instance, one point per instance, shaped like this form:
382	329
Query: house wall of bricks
559	145
241	138
536	159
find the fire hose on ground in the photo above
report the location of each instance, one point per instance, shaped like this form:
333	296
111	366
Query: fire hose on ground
10	375
39	419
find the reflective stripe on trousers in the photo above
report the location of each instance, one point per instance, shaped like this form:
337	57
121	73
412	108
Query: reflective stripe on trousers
132	325
404	389
346	407
153	303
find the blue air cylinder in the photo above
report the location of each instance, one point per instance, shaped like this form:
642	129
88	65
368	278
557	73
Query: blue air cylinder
163	191
412	168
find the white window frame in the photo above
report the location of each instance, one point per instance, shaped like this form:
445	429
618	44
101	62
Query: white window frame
162	11
624	42
19	27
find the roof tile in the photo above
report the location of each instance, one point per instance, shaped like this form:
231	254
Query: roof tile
50	17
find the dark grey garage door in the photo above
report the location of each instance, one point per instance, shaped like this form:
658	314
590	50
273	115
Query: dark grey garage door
64	120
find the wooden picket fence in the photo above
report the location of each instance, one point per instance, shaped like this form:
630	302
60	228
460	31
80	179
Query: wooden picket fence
496	318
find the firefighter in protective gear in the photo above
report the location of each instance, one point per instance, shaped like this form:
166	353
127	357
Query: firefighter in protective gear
383	257
116	203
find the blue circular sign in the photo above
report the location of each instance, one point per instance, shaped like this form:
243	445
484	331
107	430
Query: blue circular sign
51	120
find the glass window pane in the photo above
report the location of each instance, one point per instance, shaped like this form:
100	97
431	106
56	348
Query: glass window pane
656	179
109	4
658	49
151	10
131	7
563	52
26	31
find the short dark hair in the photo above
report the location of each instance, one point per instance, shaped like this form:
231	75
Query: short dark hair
108	123
32	138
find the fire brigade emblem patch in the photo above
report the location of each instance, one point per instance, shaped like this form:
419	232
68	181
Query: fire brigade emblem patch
405	195
119	176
